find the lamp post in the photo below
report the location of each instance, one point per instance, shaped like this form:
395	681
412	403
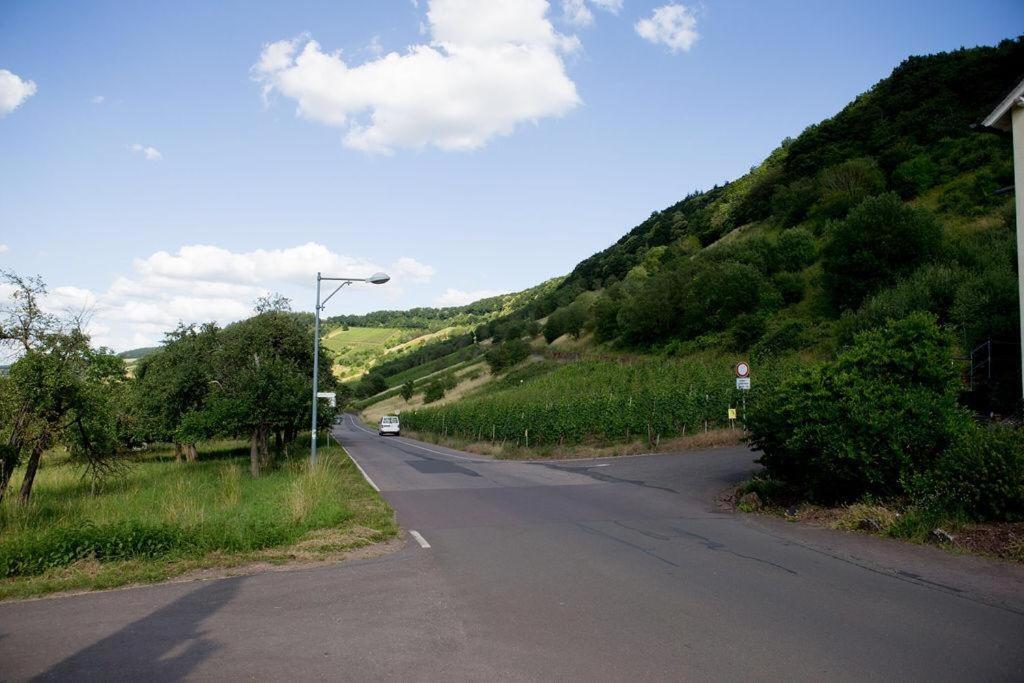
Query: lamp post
377	279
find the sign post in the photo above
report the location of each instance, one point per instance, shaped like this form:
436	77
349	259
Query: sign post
743	384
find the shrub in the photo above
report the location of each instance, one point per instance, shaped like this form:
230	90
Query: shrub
914	176
791	287
846	185
980	477
795	250
879	241
790	203
434	392
408	389
882	412
507	354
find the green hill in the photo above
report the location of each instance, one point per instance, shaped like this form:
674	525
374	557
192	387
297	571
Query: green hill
889	207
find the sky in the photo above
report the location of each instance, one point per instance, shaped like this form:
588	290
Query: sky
173	161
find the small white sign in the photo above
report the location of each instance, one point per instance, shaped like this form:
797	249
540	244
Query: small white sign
329	395
743	383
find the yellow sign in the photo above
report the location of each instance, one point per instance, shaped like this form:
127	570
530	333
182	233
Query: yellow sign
732	413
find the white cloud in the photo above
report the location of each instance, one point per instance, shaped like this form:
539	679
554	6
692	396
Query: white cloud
98	99
13	91
4	248
489	67
674	26
203	283
577	12
151	153
457	297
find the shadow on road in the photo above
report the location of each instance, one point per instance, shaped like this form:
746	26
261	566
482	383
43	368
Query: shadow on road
164	645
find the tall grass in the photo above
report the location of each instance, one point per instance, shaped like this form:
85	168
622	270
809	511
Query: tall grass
166	510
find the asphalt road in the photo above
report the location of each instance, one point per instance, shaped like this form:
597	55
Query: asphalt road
608	569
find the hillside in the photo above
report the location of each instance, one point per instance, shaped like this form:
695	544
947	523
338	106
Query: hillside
887	208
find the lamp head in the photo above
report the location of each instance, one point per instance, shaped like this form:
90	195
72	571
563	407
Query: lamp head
378	278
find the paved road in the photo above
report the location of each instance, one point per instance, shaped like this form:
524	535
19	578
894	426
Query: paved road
605	569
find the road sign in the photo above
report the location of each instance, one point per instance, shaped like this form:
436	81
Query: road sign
743	383
329	395
742	369
732	413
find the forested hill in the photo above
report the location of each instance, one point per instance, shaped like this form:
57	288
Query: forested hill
919	125
447	316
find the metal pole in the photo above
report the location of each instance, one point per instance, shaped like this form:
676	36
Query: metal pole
316	371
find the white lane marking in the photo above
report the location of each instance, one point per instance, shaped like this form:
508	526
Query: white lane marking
358	466
419	538
422	448
603	464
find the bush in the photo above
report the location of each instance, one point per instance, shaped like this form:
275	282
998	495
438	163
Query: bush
795	250
980	477
914	176
846	185
507	354
434	392
791	203
881	240
791	287
866	423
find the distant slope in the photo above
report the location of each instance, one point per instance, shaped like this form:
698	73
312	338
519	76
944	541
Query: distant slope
136	354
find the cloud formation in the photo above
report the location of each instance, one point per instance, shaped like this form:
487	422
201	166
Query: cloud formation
577	12
457	297
489	66
674	26
203	283
13	91
151	153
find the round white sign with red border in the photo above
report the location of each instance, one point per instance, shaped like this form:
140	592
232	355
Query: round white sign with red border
742	369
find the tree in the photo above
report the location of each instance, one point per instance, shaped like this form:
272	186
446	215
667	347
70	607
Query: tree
408	389
845	185
171	387
262	384
878	242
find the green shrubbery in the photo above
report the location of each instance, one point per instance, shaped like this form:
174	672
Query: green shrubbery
981	476
882	420
506	354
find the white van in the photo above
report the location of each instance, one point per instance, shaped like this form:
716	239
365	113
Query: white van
389	425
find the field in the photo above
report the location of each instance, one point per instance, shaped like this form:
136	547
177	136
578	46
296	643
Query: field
163	518
596	401
358	348
471	376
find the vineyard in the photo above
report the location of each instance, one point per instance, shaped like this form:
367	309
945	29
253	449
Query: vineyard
593	400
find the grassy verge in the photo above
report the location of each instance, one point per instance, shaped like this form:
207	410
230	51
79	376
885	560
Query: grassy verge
1004	540
162	518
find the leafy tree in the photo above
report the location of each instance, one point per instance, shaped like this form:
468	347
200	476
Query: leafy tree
434	392
878	242
408	389
507	354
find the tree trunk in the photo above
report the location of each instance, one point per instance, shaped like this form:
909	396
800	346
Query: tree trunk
278	441
177	452
5	477
30	472
191	454
265	459
254	454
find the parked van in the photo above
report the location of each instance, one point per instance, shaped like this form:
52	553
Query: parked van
389	425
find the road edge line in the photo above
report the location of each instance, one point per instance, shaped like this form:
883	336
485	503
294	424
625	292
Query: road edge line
358	466
419	538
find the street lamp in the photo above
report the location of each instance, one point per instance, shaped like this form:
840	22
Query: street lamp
376	279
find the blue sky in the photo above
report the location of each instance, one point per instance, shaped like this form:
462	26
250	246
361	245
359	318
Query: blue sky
163	161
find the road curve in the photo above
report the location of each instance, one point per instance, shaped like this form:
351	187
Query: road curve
602	569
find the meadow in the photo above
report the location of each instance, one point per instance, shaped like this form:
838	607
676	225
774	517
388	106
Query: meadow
358	348
160	518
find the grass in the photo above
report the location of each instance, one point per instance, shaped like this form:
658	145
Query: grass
163	518
358	348
470	375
